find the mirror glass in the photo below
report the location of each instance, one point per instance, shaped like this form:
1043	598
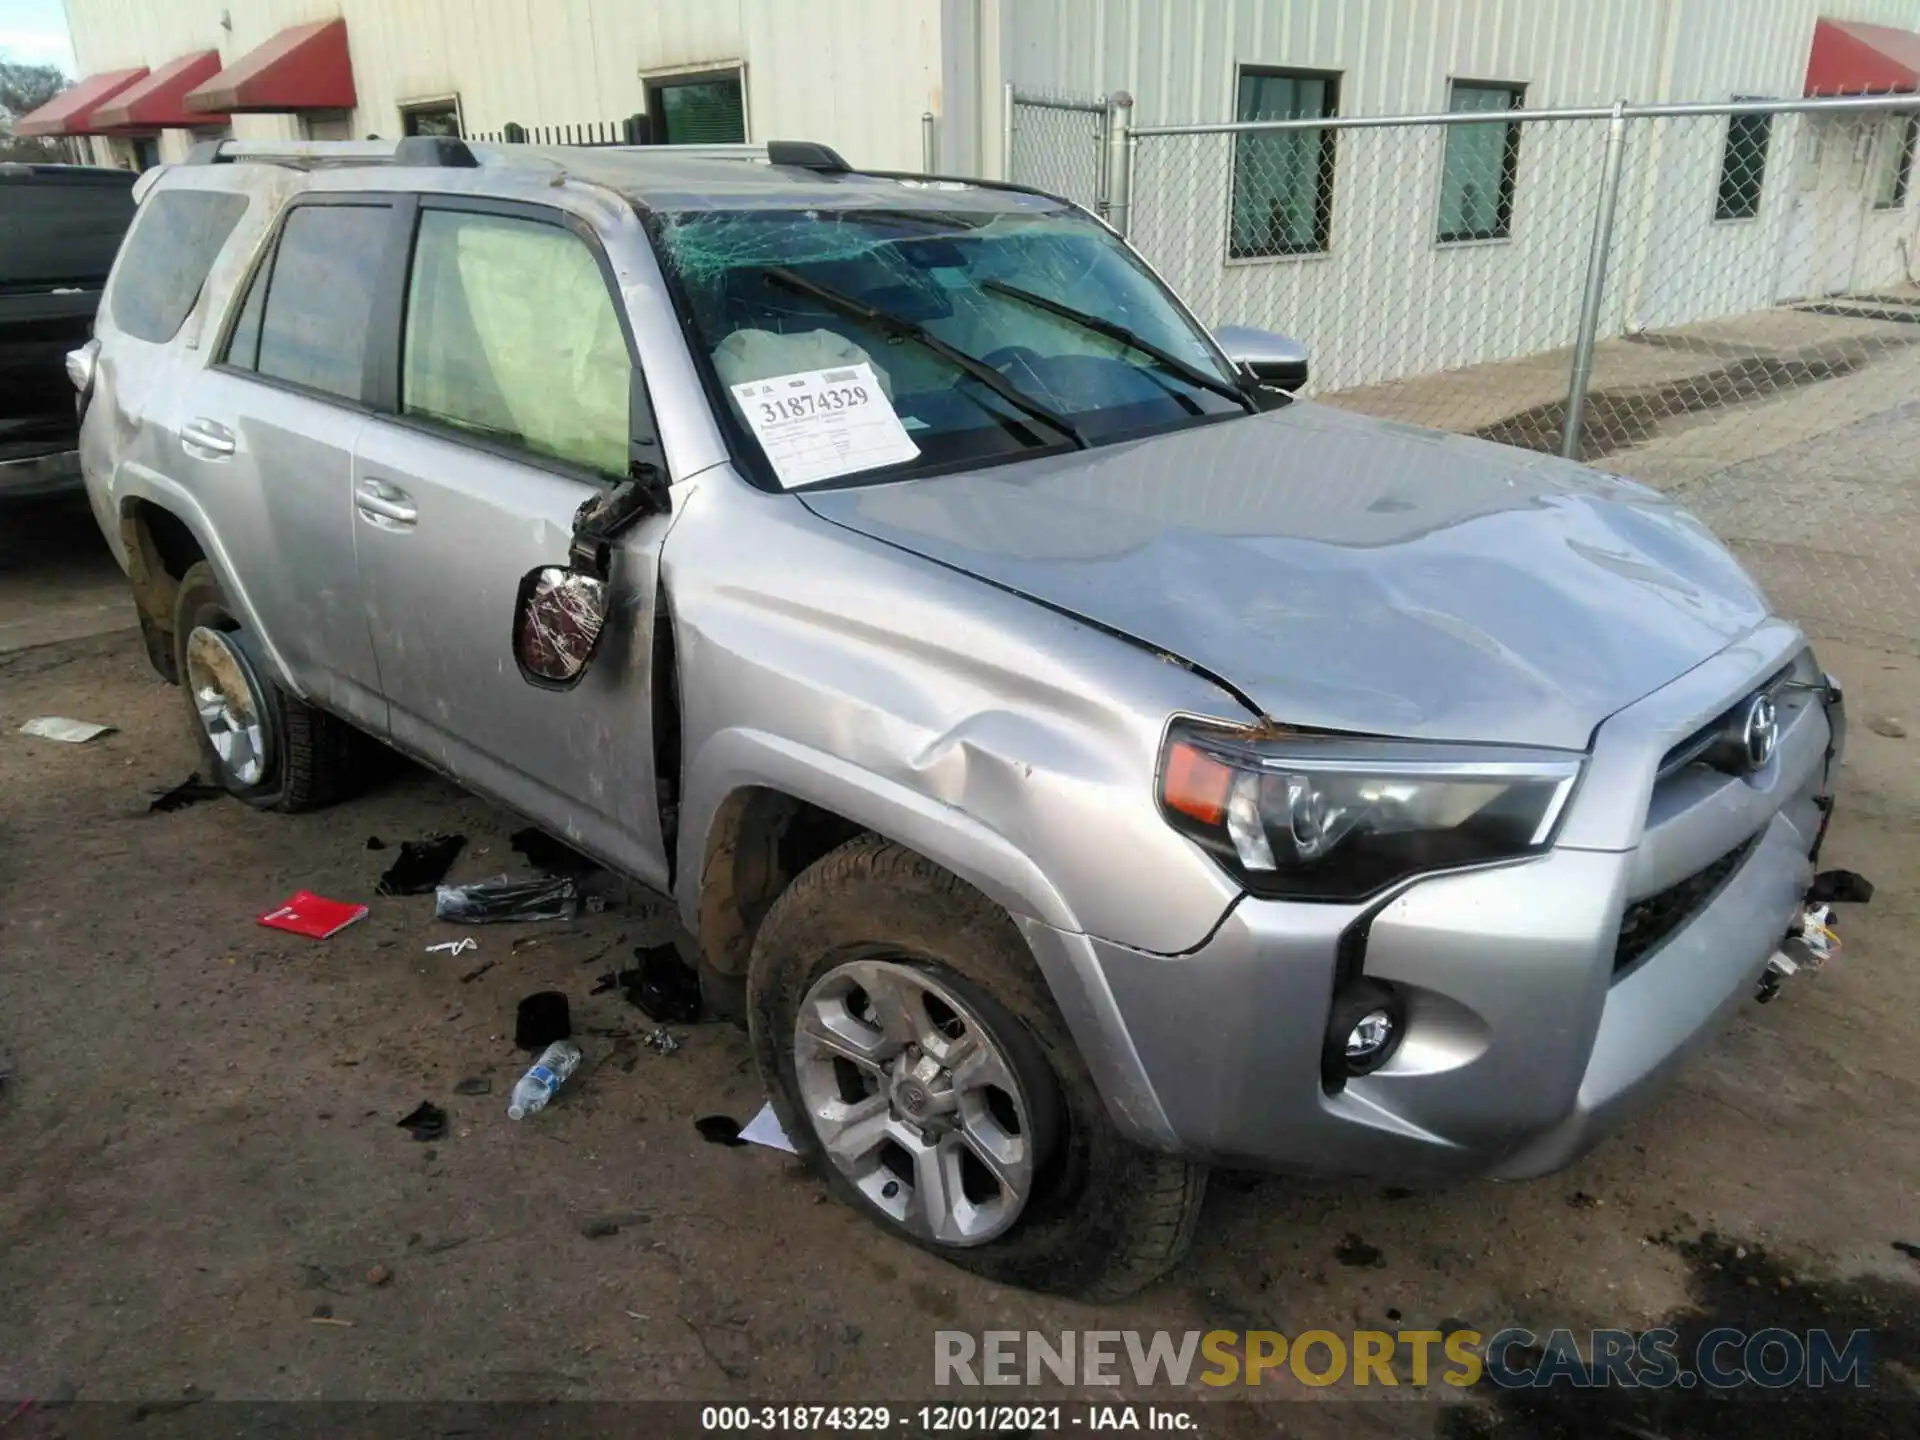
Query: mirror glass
557	623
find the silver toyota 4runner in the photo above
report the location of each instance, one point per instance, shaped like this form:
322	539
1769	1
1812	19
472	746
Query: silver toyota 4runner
1079	761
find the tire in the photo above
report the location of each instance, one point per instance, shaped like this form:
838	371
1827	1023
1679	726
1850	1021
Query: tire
1102	1217
309	759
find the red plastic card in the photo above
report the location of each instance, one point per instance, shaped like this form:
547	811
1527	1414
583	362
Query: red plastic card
309	914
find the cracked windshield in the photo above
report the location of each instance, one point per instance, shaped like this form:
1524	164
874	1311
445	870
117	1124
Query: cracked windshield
884	343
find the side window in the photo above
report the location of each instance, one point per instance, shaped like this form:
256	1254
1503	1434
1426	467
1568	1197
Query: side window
175	239
511	333
243	346
319	299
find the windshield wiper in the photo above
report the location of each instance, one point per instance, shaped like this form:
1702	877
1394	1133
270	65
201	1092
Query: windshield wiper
907	330
1193	375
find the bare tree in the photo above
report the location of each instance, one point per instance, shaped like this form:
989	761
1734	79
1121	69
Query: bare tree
24	89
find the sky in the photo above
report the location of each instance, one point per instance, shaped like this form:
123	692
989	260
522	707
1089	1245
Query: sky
35	31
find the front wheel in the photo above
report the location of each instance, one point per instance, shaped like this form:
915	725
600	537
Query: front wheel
267	747
919	1064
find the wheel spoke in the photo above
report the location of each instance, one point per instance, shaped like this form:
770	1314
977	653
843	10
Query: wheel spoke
981	1066
852	1138
896	1006
830	1027
936	1189
1004	1154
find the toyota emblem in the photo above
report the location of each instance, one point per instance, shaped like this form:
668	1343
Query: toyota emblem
1761	732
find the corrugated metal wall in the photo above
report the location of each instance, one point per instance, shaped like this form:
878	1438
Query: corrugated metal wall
856	74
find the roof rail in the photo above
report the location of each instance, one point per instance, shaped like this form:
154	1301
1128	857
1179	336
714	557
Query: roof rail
426	151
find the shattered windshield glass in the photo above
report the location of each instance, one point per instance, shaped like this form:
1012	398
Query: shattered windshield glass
1083	346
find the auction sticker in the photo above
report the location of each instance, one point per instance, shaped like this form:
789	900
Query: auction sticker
817	424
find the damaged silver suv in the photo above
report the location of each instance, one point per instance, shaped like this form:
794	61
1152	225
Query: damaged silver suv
1080	761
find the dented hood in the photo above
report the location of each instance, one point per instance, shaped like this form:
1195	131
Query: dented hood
1347	573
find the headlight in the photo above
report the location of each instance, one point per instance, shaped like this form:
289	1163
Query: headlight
1313	818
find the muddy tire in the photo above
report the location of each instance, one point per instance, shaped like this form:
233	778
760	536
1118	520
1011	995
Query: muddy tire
267	747
874	934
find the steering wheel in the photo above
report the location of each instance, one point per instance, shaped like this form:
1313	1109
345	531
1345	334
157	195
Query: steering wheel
1007	354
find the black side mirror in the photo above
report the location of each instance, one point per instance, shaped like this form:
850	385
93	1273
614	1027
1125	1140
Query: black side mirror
1274	362
558	619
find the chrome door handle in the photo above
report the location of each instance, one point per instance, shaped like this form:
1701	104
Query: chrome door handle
384	502
207	438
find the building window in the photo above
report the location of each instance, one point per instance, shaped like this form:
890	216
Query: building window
1896	161
1482	165
1283	179
704	109
432	117
1743	167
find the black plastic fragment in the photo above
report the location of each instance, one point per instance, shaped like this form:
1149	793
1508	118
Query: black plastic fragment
422	865
426	1121
543	1019
1840	887
664	986
374	842
190	791
548	855
719	1130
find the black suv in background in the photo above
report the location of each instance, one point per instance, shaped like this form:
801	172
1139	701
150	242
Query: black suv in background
60	227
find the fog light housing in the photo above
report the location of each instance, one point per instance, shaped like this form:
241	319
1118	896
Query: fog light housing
1364	1028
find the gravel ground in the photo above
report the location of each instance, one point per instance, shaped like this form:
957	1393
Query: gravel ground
204	1193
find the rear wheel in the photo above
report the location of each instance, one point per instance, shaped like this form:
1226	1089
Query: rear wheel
919	1064
267	747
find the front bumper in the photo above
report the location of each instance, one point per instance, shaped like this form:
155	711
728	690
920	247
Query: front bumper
38	475
1527	1034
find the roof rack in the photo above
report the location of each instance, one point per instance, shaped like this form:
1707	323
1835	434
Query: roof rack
425	151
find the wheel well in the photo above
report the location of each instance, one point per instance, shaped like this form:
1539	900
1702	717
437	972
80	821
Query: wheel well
159	549
759	843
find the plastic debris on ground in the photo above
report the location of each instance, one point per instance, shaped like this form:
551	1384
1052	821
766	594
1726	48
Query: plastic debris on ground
765	1129
374	842
548	855
426	1121
719	1129
58	727
473	1085
477	971
543	1018
489	902
662	985
552	1070
454	947
662	1039
422	865
315	916
190	791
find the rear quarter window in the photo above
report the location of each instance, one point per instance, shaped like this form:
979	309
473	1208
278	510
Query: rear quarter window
173	244
56	232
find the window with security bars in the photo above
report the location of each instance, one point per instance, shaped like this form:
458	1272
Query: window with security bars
708	109
1283	179
1743	167
1482	165
1895	175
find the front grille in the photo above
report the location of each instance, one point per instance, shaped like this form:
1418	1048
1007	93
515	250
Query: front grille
1698	743
1650	921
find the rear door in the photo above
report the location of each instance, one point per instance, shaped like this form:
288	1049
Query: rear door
269	431
515	403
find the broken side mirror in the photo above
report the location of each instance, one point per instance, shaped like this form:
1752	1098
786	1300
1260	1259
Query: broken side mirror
558	619
1272	362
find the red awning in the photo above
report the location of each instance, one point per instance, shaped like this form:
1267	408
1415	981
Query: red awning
304	68
1854	59
159	101
71	111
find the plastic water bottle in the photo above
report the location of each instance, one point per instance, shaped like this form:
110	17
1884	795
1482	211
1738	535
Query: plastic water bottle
549	1073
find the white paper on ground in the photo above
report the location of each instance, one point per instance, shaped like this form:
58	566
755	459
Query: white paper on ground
816	424
58	727
764	1129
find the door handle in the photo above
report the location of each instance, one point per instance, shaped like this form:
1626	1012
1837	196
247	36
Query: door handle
378	501
207	438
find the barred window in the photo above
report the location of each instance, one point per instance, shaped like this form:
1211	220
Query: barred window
1283	179
1896	162
1743	167
1482	165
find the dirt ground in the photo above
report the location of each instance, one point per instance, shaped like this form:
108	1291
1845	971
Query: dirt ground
200	1165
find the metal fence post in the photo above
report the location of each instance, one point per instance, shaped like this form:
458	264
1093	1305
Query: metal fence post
929	151
1119	166
1006	131
1596	292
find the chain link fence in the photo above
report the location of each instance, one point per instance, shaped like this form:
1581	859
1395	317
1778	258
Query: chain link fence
1058	145
1720	301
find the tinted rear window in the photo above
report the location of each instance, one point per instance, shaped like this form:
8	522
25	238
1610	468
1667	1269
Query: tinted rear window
320	297
173	246
61	232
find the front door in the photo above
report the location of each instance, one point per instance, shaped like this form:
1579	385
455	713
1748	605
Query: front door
515	382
